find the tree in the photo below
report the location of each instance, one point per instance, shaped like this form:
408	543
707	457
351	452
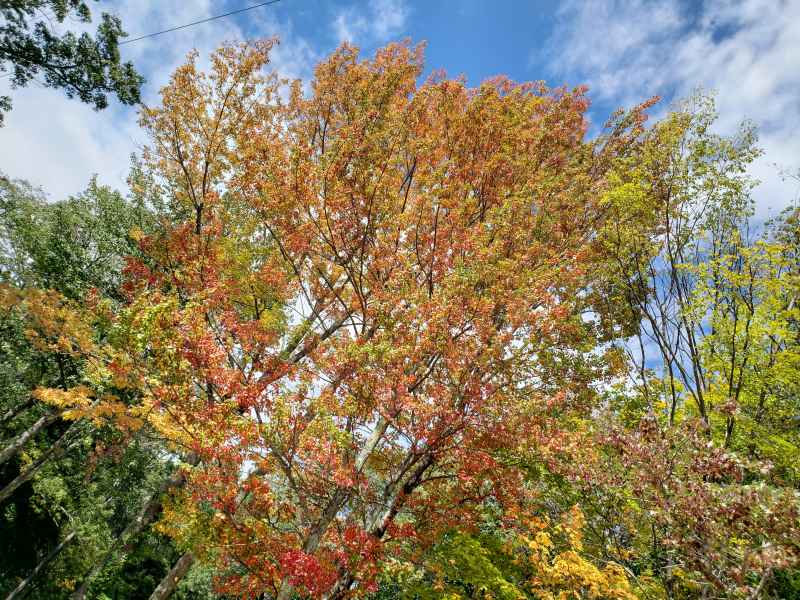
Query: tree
697	478
681	201
368	293
65	479
71	246
85	67
751	353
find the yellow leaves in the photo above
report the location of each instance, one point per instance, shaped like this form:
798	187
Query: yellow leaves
541	540
54	323
77	398
183	521
68	584
10	297
582	579
136	234
573	524
59	326
567	575
123	416
80	402
168	423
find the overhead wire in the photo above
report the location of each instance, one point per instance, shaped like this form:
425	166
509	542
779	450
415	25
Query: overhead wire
186	25
193	23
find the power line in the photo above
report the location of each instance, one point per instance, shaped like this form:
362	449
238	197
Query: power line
192	24
214	18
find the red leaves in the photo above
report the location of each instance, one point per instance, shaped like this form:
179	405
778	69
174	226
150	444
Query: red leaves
306	573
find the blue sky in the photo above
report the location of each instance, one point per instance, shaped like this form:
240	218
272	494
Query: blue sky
748	51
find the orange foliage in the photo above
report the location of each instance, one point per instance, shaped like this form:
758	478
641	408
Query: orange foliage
373	290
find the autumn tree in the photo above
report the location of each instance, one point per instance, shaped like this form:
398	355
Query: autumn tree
372	290
697	480
681	201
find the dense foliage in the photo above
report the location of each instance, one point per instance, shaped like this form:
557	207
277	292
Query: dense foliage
395	338
84	66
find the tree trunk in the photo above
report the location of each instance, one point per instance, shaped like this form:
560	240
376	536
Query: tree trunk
20	590
167	586
17	443
34	468
123	543
13	412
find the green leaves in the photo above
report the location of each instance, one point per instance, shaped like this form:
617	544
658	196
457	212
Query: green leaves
463	567
85	67
70	246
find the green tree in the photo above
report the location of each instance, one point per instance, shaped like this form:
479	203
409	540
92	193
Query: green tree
70	246
84	66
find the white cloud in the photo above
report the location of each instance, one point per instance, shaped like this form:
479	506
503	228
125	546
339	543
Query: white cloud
59	143
747	51
381	20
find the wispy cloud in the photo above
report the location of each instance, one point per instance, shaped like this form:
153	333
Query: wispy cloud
747	51
380	20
